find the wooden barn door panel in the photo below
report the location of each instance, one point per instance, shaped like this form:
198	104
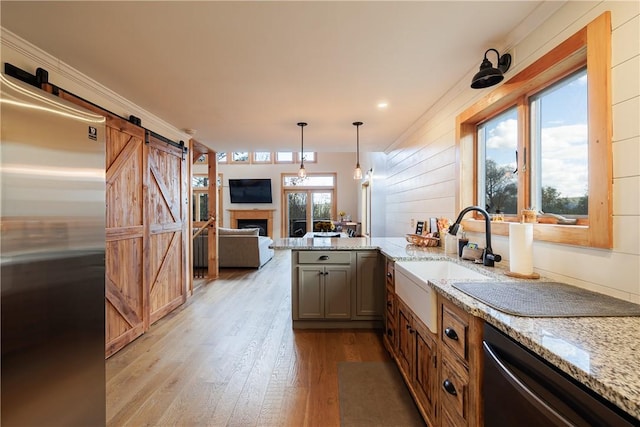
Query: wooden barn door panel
125	296
167	202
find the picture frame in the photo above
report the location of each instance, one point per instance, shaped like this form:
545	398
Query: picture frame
433	226
419	227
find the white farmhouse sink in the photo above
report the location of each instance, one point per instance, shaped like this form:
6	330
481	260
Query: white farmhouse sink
412	287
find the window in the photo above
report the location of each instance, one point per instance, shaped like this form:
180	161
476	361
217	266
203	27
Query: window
200	201
309	157
240	157
222	158
497	164
558	113
262	157
284	157
307	202
559	147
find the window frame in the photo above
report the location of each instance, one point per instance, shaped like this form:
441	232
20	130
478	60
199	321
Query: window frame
239	162
309	190
590	46
278	161
261	162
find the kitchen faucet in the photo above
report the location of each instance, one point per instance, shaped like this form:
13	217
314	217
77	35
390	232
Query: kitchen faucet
488	257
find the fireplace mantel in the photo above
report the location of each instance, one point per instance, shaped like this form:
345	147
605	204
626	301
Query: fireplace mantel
236	214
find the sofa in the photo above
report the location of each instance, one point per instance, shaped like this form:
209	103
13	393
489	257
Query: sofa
243	248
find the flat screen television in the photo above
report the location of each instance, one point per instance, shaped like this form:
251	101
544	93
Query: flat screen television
250	190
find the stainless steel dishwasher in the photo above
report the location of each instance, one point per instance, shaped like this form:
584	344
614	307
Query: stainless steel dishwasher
521	389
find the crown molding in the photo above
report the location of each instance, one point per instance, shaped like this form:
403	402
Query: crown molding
68	78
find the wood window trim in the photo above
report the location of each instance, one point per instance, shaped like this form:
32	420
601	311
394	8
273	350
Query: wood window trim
590	45
231	160
309	189
299	157
262	162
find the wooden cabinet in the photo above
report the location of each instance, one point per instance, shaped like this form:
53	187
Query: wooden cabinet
459	368
391	309
416	357
336	289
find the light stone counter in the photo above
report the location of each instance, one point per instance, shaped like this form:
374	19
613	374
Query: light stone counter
602	353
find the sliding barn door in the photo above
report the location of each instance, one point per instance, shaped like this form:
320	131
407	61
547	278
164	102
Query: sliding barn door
125	304
167	216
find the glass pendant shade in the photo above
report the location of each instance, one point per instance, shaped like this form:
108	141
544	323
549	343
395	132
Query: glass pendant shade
302	173
357	173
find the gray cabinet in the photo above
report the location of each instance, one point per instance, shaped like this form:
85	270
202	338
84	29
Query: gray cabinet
321	287
337	288
323	292
369	289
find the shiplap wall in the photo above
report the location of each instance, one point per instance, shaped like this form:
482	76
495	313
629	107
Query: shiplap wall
420	169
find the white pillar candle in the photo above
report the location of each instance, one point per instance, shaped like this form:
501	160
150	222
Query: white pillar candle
521	248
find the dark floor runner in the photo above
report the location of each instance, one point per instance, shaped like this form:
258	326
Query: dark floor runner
373	394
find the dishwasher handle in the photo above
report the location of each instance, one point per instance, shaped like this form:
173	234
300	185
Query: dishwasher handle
525	391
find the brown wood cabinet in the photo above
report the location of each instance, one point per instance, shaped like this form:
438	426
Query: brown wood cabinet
442	370
391	310
416	356
459	367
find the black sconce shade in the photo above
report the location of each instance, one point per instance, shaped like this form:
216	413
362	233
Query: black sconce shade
488	75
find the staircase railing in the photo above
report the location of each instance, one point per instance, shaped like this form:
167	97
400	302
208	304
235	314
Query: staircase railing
200	251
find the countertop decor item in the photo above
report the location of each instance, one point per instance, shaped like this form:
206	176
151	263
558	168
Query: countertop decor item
521	251
419	240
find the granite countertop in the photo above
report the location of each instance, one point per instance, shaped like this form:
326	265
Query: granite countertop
600	352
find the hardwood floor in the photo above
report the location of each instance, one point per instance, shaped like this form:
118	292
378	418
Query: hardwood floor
229	357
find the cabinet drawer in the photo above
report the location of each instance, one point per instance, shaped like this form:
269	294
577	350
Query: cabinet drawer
324	257
454	390
391	305
453	332
390	274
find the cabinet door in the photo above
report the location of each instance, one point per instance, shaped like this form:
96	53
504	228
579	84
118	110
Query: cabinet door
310	292
425	371
337	292
369	284
405	339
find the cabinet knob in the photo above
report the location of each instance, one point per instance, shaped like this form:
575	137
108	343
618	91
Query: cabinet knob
390	332
449	387
389	275
389	304
451	333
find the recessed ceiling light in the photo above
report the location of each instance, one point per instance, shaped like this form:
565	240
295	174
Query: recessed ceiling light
382	105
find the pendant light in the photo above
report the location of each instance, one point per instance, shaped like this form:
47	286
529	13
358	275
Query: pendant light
302	173
357	173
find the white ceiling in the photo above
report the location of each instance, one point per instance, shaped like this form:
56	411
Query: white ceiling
242	74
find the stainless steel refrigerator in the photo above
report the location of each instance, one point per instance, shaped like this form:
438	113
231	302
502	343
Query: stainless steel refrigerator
52	260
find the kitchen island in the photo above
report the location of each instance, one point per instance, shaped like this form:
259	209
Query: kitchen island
601	353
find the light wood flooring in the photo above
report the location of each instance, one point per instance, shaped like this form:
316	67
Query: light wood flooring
229	357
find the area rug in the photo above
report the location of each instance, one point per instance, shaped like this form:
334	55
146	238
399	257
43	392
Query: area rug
373	394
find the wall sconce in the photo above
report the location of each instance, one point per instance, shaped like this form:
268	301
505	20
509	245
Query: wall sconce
302	173
488	75
357	173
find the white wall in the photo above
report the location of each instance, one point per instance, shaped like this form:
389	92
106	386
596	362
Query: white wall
421	181
340	163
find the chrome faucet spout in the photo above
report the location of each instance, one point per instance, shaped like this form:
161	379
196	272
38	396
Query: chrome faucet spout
488	257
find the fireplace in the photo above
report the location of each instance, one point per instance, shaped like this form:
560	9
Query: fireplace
250	218
254	223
